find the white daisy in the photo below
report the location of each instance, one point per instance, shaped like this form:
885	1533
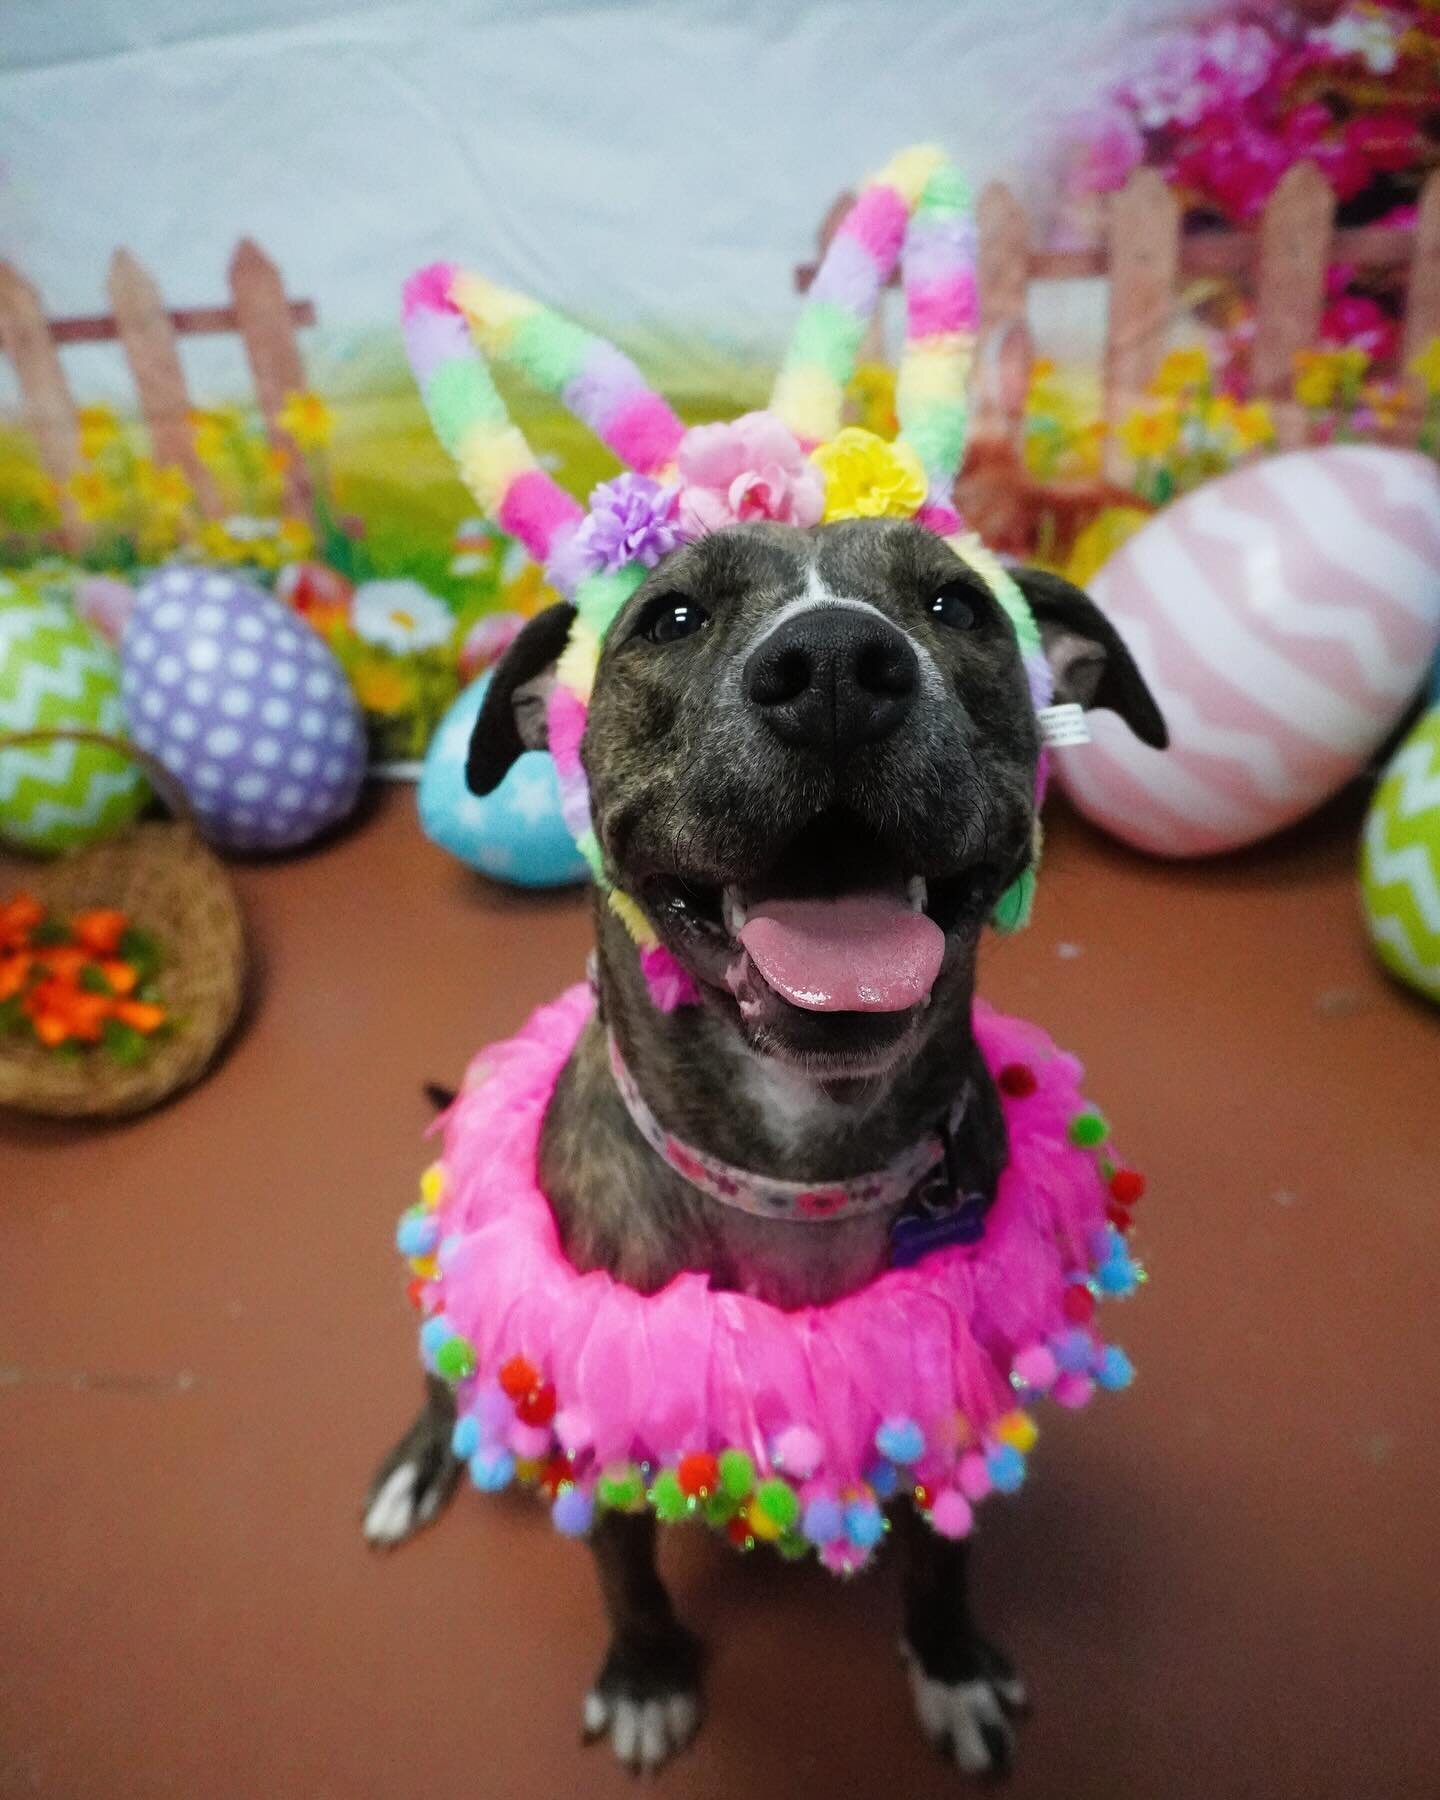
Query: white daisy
401	616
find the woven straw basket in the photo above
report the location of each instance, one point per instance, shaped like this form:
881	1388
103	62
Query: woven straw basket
169	884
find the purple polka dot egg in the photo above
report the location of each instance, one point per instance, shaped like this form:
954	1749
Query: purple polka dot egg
245	705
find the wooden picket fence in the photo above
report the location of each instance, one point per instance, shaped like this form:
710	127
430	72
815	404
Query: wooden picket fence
1148	261
148	332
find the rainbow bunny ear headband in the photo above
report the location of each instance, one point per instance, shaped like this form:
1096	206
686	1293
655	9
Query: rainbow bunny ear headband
792	463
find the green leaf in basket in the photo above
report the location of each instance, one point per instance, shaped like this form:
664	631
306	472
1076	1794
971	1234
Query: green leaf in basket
141	951
123	1042
12	1015
93	981
48	933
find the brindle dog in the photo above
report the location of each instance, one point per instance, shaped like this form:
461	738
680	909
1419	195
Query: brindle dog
804	714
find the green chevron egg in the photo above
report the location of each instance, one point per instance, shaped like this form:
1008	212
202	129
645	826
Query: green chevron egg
1400	861
54	671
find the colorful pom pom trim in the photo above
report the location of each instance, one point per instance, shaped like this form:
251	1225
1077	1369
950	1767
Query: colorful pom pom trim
786	1428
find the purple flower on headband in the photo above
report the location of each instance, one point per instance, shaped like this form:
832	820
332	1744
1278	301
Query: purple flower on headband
631	519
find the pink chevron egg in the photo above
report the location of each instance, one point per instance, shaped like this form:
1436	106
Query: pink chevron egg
1284	616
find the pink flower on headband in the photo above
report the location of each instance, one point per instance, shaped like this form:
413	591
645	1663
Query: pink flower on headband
751	468
631	519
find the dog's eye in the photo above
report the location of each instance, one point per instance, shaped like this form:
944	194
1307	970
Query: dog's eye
673	619
954	606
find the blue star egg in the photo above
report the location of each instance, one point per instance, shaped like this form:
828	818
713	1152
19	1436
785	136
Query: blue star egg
516	833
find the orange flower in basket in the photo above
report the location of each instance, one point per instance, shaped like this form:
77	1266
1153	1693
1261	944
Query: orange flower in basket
85	981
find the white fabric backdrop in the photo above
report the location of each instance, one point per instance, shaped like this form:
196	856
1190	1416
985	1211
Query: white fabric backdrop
657	168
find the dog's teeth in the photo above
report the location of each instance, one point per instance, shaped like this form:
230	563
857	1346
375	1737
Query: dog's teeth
916	893
734	911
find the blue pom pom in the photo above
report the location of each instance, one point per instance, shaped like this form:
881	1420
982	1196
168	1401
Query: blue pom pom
883	1478
465	1438
1074	1351
492	1469
416	1234
436	1331
1005	1467
572	1511
1114	1369
1117	1278
864	1524
823	1520
900	1439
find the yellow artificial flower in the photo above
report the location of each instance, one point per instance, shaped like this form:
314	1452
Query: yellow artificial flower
276	462
1150	430
296	537
94	494
1427	366
383	688
307	419
99	428
165	488
1253	424
216	543
866	478
1181	371
1350	366
1100	539
212	436
1385	401
1317	379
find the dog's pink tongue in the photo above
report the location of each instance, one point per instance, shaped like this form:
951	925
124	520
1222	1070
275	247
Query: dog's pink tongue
862	953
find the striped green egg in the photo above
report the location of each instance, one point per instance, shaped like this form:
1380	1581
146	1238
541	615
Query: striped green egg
54	671
1400	861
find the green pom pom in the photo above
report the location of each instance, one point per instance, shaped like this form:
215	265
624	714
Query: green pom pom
1017	609
829	336
1088	1129
1013	908
946	192
599	597
621	1487
455	1359
719	1509
777	1500
551	350
792	1546
737	1473
668	1497
458	395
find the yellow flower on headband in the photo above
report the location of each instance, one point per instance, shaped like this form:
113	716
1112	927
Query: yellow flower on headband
866	478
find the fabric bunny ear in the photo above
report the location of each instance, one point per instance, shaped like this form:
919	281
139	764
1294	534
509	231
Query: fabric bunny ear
941	318
453	322
809	394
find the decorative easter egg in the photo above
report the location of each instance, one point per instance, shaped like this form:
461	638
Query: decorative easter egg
1283	616
54	671
245	706
1400	861
515	834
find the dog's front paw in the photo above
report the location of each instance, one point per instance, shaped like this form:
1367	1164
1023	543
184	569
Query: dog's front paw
646	1699
970	1717
412	1484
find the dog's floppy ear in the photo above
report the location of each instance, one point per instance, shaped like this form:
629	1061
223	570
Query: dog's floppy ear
512	719
1088	656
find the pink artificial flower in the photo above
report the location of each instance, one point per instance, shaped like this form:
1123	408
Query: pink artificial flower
1106	144
751	468
1358	322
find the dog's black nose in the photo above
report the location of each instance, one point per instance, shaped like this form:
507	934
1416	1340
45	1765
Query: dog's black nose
833	677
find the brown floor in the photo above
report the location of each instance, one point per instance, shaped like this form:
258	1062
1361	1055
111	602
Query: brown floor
1223	1584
